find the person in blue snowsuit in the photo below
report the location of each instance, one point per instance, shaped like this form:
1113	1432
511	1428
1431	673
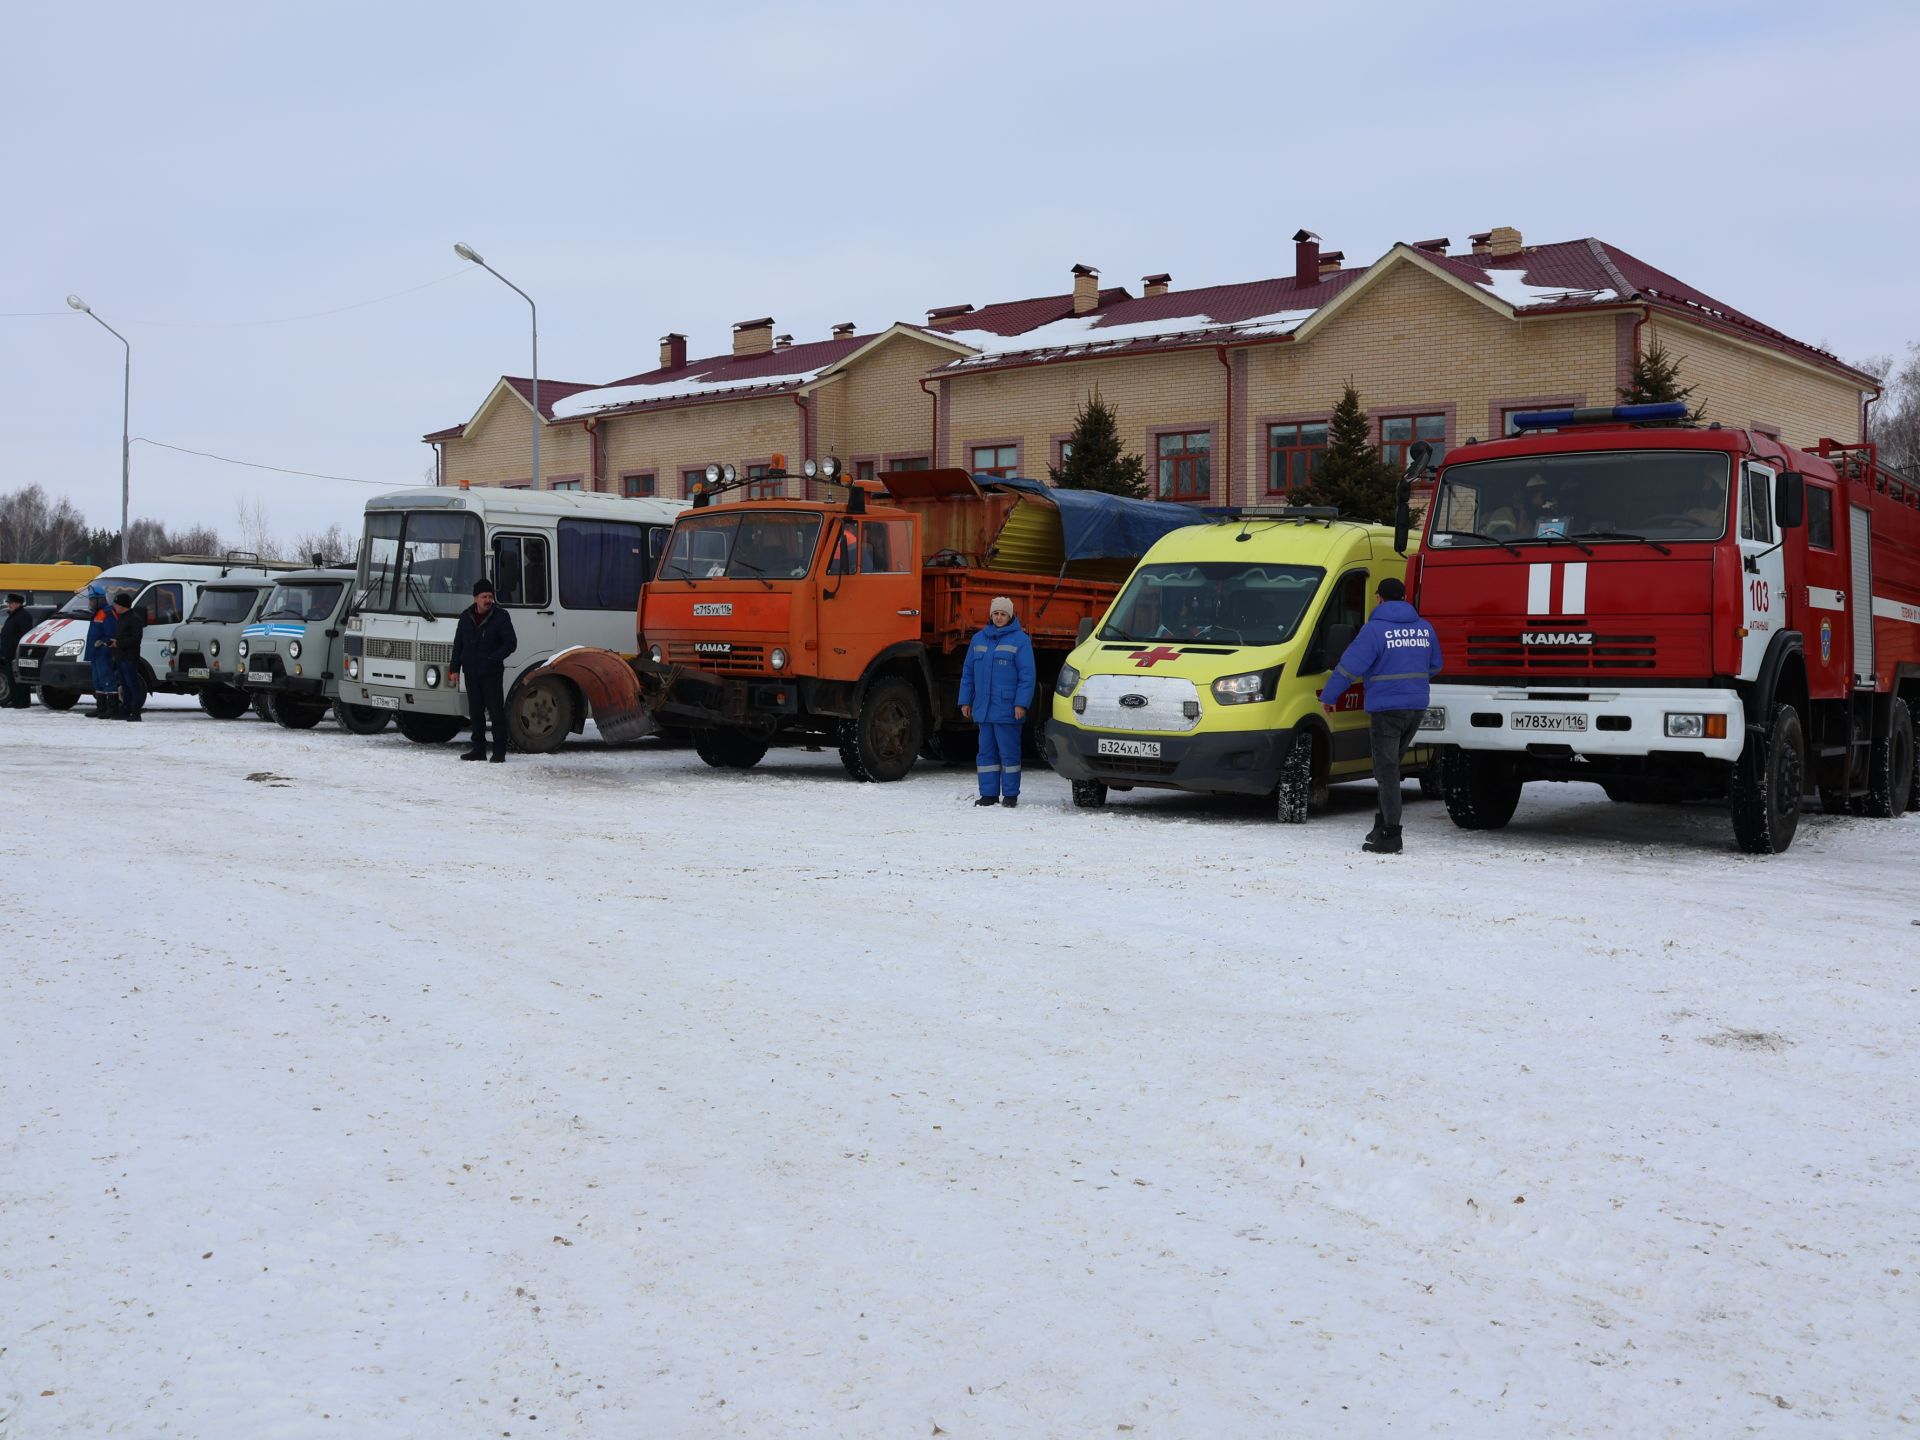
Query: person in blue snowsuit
996	687
102	630
1396	655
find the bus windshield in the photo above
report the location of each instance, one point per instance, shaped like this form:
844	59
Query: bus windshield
223	607
307	600
1597	496
1222	602
761	545
420	562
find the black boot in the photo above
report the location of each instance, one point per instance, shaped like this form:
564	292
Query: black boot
474	752
499	757
987	800
1387	844
1373	835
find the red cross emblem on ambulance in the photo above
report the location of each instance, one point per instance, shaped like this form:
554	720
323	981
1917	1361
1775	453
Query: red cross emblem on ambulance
1147	659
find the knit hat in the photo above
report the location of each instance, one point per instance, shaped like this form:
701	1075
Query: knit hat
1000	602
14	597
483	586
125	598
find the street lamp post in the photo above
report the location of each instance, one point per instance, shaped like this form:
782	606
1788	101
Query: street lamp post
467	252
126	409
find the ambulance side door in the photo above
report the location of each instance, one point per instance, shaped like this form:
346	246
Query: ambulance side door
1341	617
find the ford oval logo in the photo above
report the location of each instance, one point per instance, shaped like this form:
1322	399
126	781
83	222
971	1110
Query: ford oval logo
1134	702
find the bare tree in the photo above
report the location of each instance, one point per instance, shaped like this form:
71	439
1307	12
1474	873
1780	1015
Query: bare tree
330	544
256	534
1894	422
36	530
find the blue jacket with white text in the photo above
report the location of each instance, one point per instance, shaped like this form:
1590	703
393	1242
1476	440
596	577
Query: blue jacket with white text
1395	654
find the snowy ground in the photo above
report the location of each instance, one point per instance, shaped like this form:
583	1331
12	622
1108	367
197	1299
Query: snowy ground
603	1095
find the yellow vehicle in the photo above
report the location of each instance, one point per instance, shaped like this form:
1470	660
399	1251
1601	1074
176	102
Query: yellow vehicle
45	584
1205	673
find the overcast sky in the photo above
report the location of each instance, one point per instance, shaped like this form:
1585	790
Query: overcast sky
204	173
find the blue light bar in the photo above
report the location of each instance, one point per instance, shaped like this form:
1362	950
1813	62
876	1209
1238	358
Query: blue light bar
1601	415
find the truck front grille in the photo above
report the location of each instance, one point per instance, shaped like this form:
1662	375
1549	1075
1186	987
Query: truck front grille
1125	765
1513	654
434	652
737	660
379	648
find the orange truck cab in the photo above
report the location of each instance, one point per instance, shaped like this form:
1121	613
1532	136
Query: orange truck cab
842	620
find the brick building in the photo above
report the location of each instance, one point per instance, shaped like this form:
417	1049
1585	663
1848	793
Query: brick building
1225	390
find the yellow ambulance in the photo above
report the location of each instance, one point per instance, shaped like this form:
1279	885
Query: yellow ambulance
1205	673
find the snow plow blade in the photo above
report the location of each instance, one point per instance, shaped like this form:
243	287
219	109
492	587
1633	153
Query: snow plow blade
611	688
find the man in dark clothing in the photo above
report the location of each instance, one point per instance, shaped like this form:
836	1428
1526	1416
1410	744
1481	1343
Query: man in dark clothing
126	654
1395	655
18	622
482	642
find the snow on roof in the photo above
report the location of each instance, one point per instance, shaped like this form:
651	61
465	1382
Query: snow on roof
1083	334
613	397
1512	287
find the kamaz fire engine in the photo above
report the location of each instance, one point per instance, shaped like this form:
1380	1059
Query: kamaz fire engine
1675	612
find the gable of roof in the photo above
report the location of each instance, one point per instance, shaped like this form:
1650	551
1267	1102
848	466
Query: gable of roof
551	393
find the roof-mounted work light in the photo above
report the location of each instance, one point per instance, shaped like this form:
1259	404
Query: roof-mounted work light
830	467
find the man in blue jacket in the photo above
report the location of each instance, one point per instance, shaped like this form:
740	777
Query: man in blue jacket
1396	654
996	686
482	641
102	631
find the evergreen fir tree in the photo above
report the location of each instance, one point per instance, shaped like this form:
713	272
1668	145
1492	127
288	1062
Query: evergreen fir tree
1096	460
1656	379
1351	476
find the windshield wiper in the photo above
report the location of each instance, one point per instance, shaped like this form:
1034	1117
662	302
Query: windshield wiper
1621	535
412	581
1476	535
753	570
1562	540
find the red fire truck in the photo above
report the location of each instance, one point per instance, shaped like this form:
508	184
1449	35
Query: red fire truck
1676	612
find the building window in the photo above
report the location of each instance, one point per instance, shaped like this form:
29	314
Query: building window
1186	465
1066	452
564	485
912	462
635	486
999	461
692	480
1398	432
759	487
863	469
1294	453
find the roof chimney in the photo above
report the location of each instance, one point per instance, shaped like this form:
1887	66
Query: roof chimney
1306	257
946	312
843	329
1504	240
1330	260
781	342
1481	243
1155	285
1433	247
673	351
753	337
1086	289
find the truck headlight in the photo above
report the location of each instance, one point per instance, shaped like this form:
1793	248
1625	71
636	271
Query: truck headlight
654	654
246	648
778	659
1246	688
1688	726
213	648
353	667
1067	679
1435	718
293	648
433	677
72	647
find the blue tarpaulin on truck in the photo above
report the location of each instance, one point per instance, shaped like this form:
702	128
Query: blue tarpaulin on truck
1096	526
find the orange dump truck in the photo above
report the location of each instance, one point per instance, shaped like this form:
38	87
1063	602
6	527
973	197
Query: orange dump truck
847	620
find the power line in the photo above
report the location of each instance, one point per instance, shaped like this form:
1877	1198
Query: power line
255	465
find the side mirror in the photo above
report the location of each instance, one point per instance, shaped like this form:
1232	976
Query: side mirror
1085	629
1789	499
1419	456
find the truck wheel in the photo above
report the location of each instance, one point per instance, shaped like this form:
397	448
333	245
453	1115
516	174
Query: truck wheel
56	699
262	704
1890	771
1766	784
883	740
1089	794
1482	790
224	704
429	729
360	719
730	749
1303	783
290	712
540	715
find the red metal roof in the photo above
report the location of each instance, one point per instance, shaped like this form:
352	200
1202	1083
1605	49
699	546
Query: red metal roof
743	369
550	391
1011	317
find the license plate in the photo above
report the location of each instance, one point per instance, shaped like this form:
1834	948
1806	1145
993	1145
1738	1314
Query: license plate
198	672
259	677
1142	749
1550	720
384	702
28	664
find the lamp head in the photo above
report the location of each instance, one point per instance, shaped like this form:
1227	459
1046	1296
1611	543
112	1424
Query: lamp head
467	252
78	304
